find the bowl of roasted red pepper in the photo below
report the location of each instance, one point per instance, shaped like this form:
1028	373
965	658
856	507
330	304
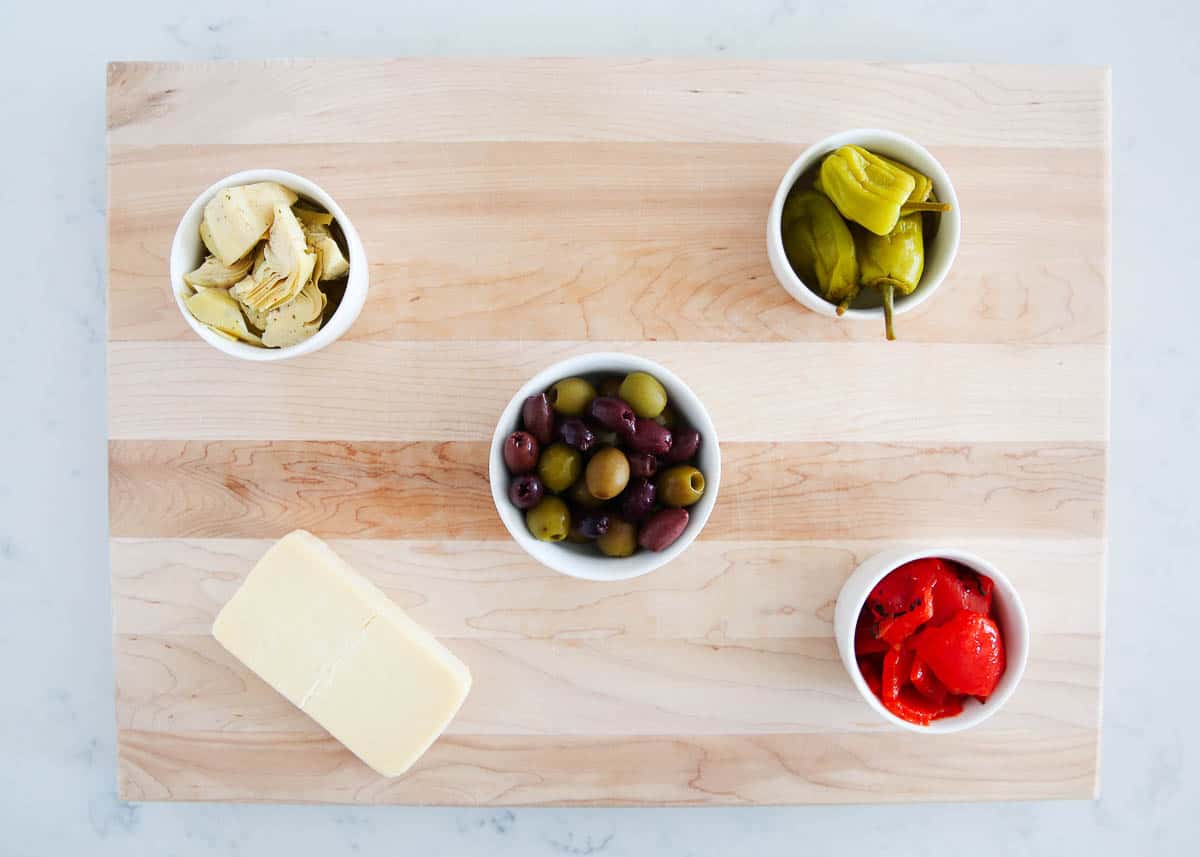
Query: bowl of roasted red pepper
935	641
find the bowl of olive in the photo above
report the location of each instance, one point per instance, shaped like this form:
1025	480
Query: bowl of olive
605	466
864	225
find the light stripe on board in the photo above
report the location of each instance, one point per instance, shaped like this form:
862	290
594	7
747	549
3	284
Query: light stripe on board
986	763
600	99
588	687
455	391
619	241
719	591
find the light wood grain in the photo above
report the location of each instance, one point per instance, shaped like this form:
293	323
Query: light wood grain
720	591
653	100
677	653
517	212
586	232
824	767
441	490
611	685
802	392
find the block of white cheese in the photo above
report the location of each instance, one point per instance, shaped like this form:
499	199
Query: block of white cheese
344	653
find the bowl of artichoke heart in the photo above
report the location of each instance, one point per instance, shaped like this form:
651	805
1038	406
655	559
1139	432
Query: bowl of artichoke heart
865	225
265	265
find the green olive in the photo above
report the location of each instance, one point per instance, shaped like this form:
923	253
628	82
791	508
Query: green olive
644	394
667	418
620	540
549	520
680	486
607	473
559	466
581	496
571	396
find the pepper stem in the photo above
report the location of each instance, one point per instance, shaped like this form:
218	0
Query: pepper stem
888	291
910	207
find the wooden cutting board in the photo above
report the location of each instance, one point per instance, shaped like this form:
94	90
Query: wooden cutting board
519	211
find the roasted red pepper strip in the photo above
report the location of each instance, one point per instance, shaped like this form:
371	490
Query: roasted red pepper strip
953	707
894	594
903	601
865	641
956	588
914	708
966	653
904	701
896	666
872	673
896	631
926	683
984	604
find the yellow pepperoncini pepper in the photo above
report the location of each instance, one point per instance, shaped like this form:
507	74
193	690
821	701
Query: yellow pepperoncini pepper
820	248
921	199
865	188
893	261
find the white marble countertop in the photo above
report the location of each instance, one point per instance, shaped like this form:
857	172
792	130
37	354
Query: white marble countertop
57	792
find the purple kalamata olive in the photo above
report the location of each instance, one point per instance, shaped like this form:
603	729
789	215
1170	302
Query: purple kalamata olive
638	499
613	414
648	436
575	432
662	529
592	525
525	491
642	464
520	452
538	418
684	446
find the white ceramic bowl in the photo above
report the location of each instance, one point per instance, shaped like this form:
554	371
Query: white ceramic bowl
939	253
1010	613
187	252
584	561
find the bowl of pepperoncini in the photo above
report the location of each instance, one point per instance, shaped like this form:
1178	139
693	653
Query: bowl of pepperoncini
865	225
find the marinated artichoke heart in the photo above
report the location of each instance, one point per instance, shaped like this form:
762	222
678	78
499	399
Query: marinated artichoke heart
257	318
263	277
269	194
308	217
331	264
214	273
221	333
237	218
283	336
283	268
296	320
215	308
206	238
